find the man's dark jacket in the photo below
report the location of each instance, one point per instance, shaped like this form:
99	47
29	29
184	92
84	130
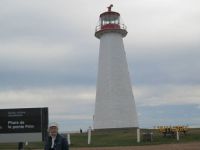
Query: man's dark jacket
60	143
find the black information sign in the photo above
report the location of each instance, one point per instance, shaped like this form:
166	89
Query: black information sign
25	120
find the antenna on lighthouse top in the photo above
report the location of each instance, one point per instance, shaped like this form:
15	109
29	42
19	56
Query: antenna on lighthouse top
110	7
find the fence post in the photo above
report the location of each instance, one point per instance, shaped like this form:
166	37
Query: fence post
177	135
68	139
26	143
138	135
89	135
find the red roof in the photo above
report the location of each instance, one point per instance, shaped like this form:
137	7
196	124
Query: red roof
108	13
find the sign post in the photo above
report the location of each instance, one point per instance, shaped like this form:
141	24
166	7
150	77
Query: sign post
20	146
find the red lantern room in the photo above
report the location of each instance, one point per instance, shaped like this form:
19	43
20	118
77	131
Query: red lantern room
109	21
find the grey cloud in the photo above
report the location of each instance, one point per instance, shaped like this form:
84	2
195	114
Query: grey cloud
180	66
160	115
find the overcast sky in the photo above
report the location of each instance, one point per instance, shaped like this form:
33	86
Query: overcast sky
49	58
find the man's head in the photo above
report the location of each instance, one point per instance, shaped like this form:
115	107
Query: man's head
53	129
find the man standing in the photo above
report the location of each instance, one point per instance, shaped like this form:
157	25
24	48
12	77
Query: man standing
55	141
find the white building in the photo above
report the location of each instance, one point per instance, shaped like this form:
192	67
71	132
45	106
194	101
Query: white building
115	105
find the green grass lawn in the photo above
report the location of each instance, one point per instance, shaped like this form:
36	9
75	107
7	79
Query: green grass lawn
128	138
122	137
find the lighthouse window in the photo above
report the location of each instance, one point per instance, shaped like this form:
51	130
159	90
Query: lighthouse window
110	21
105	22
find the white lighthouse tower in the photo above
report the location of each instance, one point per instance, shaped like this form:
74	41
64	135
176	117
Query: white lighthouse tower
115	105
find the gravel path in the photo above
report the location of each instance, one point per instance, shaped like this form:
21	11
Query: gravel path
187	146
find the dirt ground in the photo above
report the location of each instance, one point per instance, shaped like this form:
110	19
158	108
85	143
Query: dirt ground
187	146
